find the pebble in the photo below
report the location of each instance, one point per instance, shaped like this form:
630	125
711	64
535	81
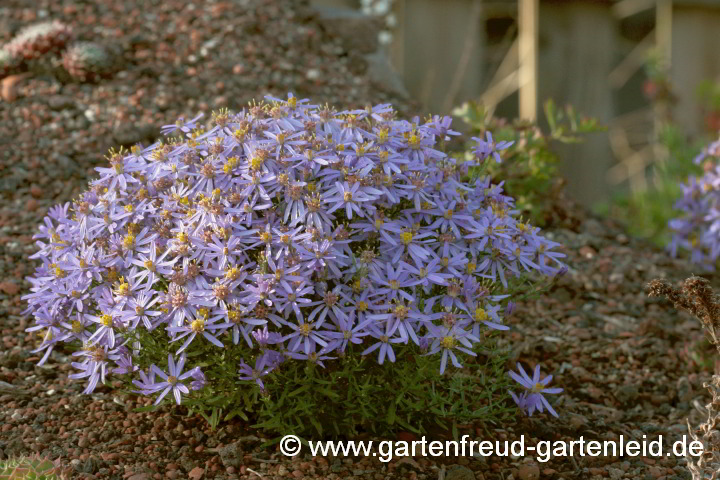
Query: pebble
528	472
459	472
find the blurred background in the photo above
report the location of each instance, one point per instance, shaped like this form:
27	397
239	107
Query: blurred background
647	70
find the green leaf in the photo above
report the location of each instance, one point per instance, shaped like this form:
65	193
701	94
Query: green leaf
149	408
391	413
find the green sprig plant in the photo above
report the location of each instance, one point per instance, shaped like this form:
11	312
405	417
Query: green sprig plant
530	167
646	214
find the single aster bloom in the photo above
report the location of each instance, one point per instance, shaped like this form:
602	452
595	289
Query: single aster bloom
172	381
532	398
488	147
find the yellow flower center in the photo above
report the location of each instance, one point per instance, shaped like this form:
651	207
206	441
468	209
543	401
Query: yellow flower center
480	315
406	237
197	325
361	306
107	320
305	329
448	342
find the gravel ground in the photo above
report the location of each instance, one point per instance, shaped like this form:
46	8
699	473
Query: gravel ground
623	359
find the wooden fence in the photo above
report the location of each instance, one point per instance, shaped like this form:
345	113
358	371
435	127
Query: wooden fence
515	54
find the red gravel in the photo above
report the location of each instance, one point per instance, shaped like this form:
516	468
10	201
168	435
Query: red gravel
623	359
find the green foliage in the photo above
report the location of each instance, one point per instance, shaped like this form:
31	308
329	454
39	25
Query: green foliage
709	94
350	395
646	214
529	168
30	468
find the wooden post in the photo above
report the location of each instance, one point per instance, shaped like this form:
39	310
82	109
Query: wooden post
528	13
663	29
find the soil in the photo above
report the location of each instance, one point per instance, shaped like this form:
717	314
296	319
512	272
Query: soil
630	365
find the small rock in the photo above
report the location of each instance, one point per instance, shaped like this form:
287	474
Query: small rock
458	472
9	287
231	455
196	473
528	472
656	472
139	476
615	473
10	85
83	442
626	394
60	102
91	465
282	471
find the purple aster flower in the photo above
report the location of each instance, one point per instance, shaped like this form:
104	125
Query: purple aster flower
450	339
255	374
172	379
199	380
532	399
349	331
488	147
201	325
384	340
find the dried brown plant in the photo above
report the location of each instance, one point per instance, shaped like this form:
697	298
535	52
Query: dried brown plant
697	297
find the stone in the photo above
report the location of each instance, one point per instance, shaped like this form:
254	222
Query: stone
139	476
626	394
458	472
9	287
9	86
231	455
528	472
196	473
60	102
356	31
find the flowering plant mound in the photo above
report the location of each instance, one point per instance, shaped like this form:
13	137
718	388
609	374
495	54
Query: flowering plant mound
289	249
698	229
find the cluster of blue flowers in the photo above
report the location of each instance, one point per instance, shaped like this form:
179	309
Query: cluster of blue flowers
290	228
698	229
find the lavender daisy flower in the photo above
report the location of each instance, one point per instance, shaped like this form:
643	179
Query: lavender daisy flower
199	380
140	311
349	331
532	398
449	339
172	379
488	147
255	374
201	325
385	338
